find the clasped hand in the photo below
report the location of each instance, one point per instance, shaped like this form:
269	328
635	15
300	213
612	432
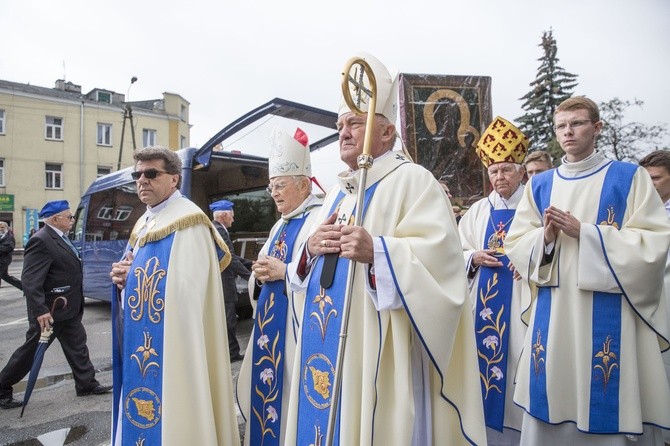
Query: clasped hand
119	271
351	242
556	220
269	269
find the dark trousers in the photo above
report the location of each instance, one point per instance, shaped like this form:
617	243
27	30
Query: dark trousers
13	281
72	337
231	322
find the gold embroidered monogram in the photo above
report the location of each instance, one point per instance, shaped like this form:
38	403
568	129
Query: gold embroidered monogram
148	279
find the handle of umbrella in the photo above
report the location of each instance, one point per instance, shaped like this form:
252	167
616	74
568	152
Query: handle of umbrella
56	300
46	334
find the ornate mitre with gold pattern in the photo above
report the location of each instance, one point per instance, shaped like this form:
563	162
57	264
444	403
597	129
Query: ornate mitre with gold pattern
502	142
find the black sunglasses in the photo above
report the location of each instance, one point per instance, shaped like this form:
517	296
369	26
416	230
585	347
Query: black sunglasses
149	174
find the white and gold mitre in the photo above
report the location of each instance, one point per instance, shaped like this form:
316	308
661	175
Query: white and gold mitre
289	155
502	142
387	89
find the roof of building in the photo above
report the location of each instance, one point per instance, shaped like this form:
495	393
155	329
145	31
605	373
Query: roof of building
70	91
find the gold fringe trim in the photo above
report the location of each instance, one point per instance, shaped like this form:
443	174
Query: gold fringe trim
180	224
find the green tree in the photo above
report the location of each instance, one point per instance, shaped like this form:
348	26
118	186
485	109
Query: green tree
551	86
626	141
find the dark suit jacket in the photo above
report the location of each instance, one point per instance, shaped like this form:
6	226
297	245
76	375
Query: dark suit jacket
6	248
51	269
236	267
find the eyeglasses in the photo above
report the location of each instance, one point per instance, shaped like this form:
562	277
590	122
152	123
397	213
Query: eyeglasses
149	174
275	187
571	124
69	217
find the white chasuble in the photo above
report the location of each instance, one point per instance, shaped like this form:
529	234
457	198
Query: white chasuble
410	367
592	353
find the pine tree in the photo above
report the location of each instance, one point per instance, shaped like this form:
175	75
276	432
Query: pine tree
552	86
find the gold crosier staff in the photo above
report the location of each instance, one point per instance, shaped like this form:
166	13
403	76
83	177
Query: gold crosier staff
353	84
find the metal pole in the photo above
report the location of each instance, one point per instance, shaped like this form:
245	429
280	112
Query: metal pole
364	162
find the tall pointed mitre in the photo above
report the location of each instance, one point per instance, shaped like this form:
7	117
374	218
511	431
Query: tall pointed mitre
387	90
289	155
502	142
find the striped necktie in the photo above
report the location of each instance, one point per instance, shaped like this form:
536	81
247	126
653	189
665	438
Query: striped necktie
69	243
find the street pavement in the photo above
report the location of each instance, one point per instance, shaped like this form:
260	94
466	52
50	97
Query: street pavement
54	410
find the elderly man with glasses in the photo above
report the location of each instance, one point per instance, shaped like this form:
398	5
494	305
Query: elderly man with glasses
496	292
593	236
52	268
263	386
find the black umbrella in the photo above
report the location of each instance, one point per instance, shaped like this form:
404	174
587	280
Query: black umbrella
39	356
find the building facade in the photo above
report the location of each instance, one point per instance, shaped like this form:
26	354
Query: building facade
55	141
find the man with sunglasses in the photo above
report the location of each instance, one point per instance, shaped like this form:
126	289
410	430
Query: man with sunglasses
52	268
172	376
593	236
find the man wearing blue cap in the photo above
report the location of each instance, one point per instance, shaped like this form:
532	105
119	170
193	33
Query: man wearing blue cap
51	268
223	217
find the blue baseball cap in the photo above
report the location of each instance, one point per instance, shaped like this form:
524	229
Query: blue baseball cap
53	208
221	205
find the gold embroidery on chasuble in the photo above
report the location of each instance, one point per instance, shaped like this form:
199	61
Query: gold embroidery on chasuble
273	359
493	353
148	279
319	367
324	314
610	218
148	407
144	353
608	363
538	353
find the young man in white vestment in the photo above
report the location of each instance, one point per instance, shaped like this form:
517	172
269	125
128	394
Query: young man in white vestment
657	164
264	382
497	292
593	236
409	374
172	378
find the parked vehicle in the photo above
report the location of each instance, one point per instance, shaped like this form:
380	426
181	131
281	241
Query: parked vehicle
110	207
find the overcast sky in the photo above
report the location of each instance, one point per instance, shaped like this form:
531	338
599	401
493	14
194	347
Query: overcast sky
228	57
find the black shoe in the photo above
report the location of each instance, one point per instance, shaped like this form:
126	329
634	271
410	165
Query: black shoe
10	403
237	357
97	390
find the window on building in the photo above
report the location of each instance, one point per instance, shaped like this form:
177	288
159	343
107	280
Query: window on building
2	122
105	213
104	134
54	128
103	170
54	176
122	213
2	173
182	142
148	137
104	96
182	113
